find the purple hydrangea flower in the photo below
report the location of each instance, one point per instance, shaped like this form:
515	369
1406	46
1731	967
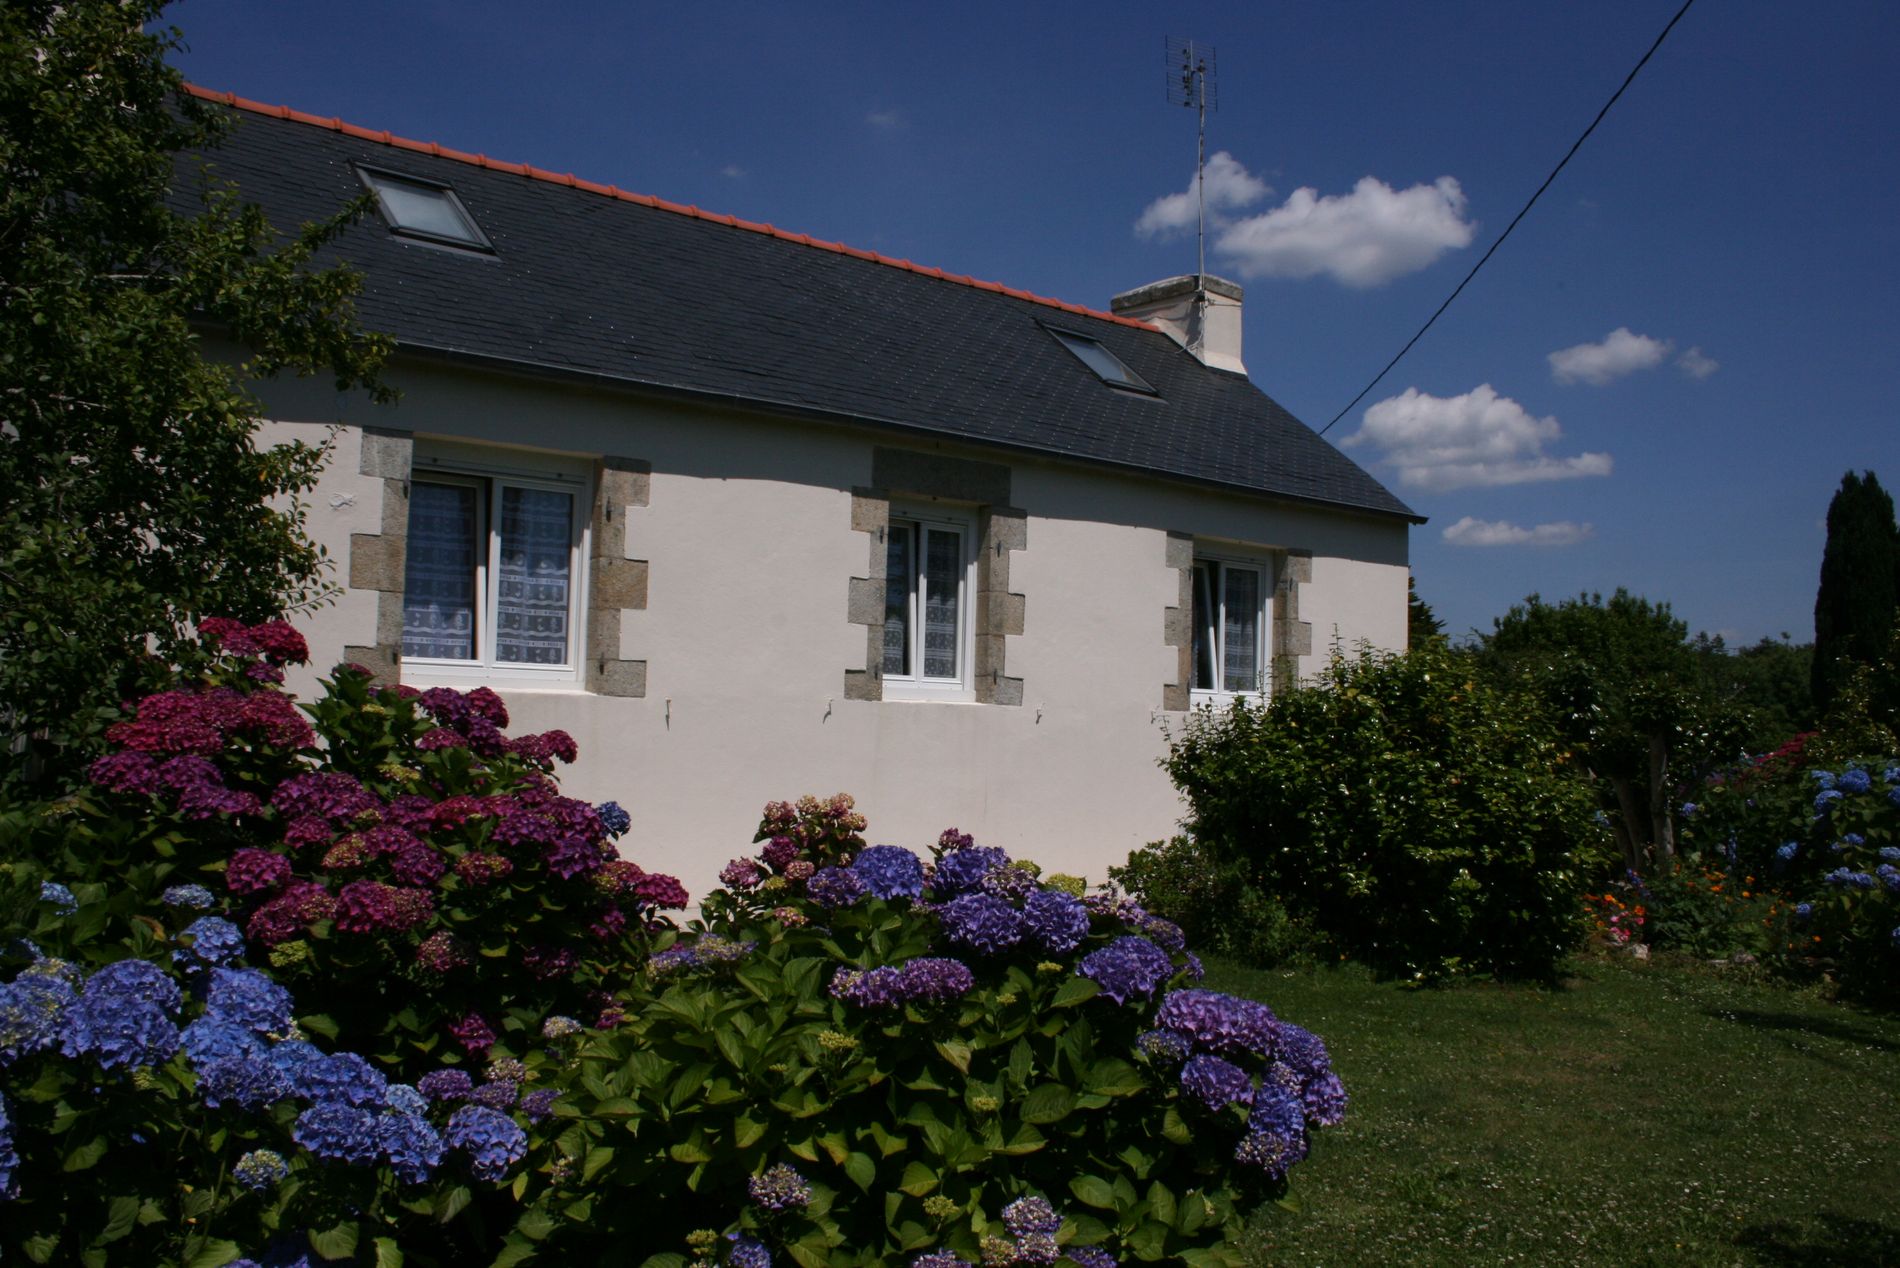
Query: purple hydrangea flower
490	1138
964	869
446	1085
941	1259
1216	1083
1055	920
497	1094
1128	966
781	1188
1030	1215
889	871
1090	1257
1037	1248
338	1132
835	887
1224	1025
1276	1133
9	1156
1321	1095
881	987
1165	1047
747	1252
539	1105
934	980
1165	934
1011	882
982	922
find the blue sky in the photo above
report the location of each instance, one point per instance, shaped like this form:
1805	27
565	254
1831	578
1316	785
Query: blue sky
1734	218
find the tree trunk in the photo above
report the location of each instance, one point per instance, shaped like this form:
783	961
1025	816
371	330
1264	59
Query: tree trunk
1662	829
1629	824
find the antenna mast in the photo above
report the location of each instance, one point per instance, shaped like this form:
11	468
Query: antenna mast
1191	83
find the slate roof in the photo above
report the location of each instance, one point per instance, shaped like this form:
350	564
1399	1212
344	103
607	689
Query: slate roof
592	281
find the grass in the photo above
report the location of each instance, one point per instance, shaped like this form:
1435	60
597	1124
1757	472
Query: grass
1639	1114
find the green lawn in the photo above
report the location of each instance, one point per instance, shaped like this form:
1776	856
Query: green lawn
1637	1115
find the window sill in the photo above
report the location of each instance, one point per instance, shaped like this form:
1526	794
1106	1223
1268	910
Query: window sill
918	693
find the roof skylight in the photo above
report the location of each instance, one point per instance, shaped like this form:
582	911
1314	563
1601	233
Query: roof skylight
1107	366
423	209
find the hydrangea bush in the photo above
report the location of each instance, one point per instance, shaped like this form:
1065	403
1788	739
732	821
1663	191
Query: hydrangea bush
861	1056
1826	840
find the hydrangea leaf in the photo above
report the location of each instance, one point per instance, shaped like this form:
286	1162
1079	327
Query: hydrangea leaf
919	1181
1075	991
212	1254
338	1242
86	1156
1047	1103
1093	1191
862	1169
388	1254
956	1052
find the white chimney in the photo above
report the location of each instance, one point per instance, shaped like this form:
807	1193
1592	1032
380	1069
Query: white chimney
1202	314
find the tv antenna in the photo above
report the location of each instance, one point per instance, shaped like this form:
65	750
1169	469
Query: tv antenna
1191	83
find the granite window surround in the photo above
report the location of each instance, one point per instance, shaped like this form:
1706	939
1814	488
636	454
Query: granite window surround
615	583
980	489
1288	637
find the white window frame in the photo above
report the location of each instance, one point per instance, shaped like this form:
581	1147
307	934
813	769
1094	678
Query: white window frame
916	685
1217	564
490	471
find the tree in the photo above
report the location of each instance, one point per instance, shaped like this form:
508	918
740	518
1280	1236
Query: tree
136	497
1855	606
1625	687
1421	623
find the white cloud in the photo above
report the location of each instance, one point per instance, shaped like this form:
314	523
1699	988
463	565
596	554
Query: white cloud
1471	531
1365	238
1620	353
1479	438
885	120
1230	187
1696	364
732	172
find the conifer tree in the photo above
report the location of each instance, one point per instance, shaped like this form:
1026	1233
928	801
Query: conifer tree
1855	608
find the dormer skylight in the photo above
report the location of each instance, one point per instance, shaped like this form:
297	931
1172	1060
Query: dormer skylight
1107	366
423	209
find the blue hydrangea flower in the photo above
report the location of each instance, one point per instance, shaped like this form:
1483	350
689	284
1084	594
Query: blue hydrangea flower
1854	781
260	1169
1893	798
1853	838
214	941
983	923
1784	853
1224	1025
613	818
248	1081
889	871
193	897
1847	878
491	1139
1803	910
342	1078
1889	877
9	1156
962	870
1890	853
293	1057
62	898
1688	809
1165	1047
33	1010
747	1252
1823	779
1128	966
1825	801
1216	1083
404	1099
123	1017
835	887
1030	1215
412	1146
1276	1134
339	1133
1057	921
246	997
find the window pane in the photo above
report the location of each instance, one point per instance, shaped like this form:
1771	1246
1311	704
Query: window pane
1205	615
423	209
531	588
1241	630
438	600
943	577
897	589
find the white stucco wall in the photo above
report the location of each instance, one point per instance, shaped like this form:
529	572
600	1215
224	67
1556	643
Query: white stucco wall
745	634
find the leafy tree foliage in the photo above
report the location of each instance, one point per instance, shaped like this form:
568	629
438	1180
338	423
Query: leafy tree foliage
136	496
1625	687
1768	680
1421	622
1855	607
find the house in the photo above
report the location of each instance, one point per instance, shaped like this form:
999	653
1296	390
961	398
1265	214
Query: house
752	515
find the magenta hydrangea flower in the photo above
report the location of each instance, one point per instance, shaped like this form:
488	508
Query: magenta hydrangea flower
254	871
472	1033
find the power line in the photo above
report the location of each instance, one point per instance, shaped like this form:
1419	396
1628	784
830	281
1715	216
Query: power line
1627	81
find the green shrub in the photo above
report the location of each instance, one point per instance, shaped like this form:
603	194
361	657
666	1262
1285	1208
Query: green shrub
1427	823
926	1049
1218	905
